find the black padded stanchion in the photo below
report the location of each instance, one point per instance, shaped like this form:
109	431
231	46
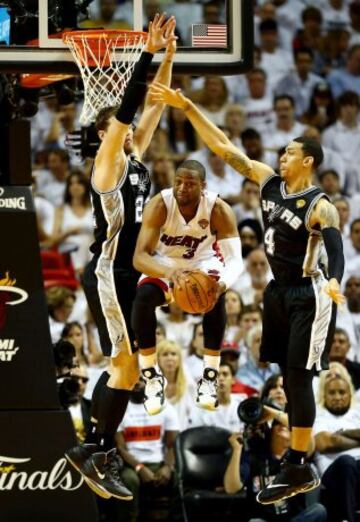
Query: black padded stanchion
36	483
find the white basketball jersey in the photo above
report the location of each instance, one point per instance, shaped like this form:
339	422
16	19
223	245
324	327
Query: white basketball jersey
188	245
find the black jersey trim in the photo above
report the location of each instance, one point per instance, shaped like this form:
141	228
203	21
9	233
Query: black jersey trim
119	184
309	210
262	185
294	194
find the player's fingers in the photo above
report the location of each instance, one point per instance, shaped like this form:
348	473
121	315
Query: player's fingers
161	21
156	19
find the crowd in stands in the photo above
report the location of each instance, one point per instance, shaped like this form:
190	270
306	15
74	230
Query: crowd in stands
305	81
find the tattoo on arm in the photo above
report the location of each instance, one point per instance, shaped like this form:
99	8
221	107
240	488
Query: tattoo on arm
329	216
240	163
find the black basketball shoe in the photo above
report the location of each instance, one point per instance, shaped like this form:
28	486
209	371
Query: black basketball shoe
291	480
207	397
77	456
102	469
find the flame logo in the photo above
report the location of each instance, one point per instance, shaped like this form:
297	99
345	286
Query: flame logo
7	287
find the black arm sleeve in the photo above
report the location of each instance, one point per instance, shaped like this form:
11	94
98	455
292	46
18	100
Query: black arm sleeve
334	249
135	90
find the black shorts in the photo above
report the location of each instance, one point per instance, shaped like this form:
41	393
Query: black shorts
298	324
110	293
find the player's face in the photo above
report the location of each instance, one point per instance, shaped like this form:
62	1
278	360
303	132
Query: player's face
293	162
187	187
337	396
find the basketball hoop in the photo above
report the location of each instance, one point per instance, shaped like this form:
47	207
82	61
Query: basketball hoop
106	60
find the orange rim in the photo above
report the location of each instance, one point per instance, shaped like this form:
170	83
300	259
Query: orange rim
121	36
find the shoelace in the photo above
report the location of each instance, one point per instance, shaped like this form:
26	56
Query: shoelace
112	466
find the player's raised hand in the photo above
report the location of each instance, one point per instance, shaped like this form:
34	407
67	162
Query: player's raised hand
332	289
160	33
162	94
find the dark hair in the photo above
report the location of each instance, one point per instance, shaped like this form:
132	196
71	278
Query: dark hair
303	50
269	384
311	13
311	148
249	309
348	98
250	134
231	368
342	332
254	225
66	332
191	347
193	165
268	25
328	171
83	180
279	97
103	117
257	70
189	133
62	154
353	223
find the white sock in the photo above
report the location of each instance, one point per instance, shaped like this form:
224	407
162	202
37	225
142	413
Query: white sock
148	361
212	361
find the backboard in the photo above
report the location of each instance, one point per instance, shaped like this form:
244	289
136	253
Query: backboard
214	37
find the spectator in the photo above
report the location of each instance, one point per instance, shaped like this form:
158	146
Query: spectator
273	390
253	373
332	159
336	13
329	181
213	98
194	360
146	443
251	235
344	135
222	179
347	79
234	122
354	12
177	324
253	147
268	11
335	46
182	136
275	61
321	110
267	447
180	388
338	449
63	122
352	294
162	173
286	126
258	105
230	354
343	207
300	83
338	353
51	182
352	244
79	407
225	416
74	333
260	275
73	225
60	303
310	34
249	205
233	308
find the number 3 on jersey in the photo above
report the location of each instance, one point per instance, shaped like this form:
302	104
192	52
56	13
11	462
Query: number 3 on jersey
269	241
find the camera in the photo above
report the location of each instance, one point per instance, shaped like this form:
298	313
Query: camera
68	387
250	410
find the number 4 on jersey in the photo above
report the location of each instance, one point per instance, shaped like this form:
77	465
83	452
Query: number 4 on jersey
269	241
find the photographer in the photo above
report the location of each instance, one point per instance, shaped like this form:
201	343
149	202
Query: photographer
265	447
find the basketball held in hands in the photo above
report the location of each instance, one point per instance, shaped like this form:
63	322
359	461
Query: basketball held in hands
195	292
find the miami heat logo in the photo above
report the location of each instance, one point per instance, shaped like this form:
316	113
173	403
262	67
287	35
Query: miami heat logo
9	295
203	223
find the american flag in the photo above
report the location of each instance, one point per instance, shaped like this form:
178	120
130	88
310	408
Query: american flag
209	35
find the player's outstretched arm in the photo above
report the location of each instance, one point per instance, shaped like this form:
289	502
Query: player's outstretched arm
213	137
152	112
110	160
326	216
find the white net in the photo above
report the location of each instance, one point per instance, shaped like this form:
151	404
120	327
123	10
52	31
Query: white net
106	61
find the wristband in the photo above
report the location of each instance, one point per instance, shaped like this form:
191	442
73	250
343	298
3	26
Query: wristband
139	467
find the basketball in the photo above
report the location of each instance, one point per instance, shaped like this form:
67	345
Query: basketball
195	293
